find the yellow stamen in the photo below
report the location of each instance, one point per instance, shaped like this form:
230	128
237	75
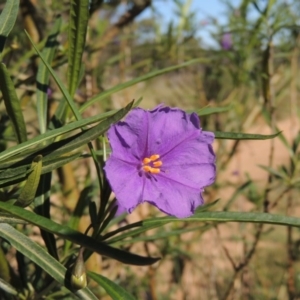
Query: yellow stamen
154	157
154	170
147	169
151	164
146	160
157	163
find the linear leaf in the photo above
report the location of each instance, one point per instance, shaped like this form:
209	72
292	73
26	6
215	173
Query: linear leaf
43	75
212	110
39	256
78	22
220	216
76	237
59	83
5	286
215	216
129	83
28	191
42	207
243	136
62	147
12	104
86	136
7	20
49	136
115	291
141	228
17	174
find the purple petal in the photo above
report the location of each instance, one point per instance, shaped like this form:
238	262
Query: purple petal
128	139
195	176
125	181
172	198
190	151
169	127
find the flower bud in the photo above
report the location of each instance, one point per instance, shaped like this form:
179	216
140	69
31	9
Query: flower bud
78	276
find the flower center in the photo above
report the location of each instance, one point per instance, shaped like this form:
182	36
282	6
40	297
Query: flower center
151	164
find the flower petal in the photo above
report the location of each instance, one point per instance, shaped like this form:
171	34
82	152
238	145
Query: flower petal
193	150
172	198
128	139
169	127
125	182
195	176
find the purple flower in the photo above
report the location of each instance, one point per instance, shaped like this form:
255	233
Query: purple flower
161	157
226	41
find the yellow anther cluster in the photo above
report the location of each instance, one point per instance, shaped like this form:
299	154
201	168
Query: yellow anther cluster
151	164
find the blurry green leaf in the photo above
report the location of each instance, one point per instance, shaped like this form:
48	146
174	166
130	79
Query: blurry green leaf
243	136
274	172
161	234
78	22
137	231
12	104
54	154
5	274
17	174
237	192
14	171
28	191
51	164
59	83
88	135
7	20
49	136
9	219
76	237
42	208
5	286
115	291
220	216
208	216
39	256
43	75
212	110
282	138
129	83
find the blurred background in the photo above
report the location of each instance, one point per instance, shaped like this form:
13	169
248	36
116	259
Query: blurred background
247	63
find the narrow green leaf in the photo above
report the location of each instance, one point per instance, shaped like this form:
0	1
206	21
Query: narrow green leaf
243	136
222	216
9	219
12	172
39	256
115	291
78	22
205	111
129	83
42	208
67	233
59	83
141	228
208	216
7	20
162	234
28	191
12	104
5	286
275	172
282	138
49	136
51	164
86	136
42	77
